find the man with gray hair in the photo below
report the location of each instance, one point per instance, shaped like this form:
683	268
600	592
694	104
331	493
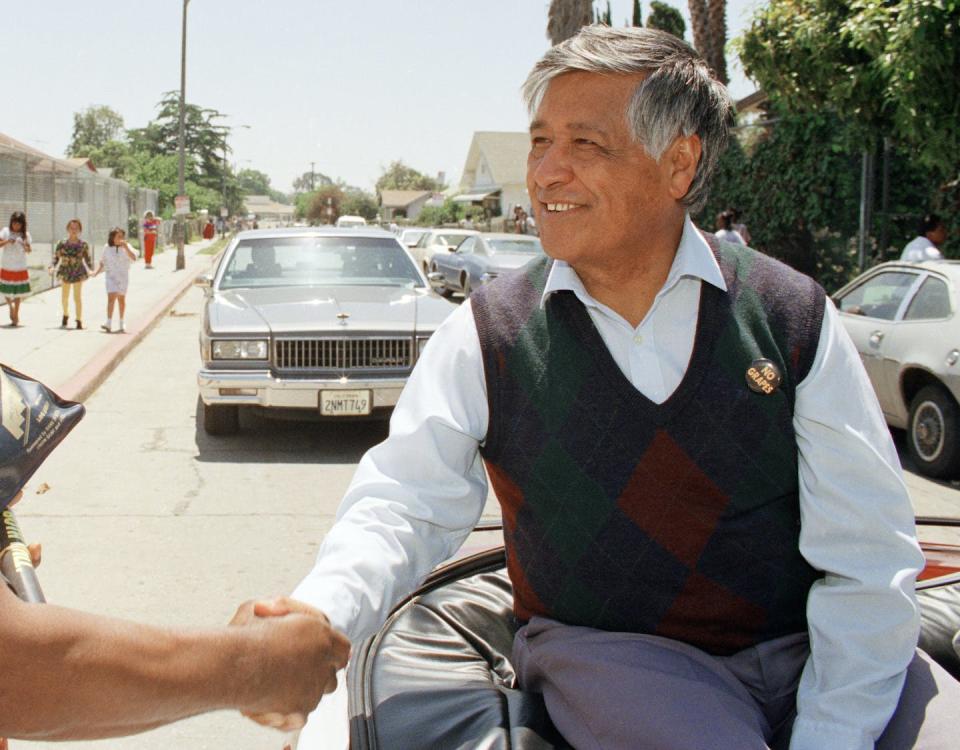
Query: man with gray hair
708	535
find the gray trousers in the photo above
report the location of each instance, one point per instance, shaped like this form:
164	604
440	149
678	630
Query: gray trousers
623	691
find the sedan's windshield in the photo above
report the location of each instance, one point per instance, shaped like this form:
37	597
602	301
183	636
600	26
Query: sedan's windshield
451	239
518	245
308	261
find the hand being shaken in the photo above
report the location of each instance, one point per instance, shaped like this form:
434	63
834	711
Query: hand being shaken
300	654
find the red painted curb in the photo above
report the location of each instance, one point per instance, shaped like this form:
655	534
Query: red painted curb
89	377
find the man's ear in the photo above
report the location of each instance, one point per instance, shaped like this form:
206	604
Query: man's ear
683	156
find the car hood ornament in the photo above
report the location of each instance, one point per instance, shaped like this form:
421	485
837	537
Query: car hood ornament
342	317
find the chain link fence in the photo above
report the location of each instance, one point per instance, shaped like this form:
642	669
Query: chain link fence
52	191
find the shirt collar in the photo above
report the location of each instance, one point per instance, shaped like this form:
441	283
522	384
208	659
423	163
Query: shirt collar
694	259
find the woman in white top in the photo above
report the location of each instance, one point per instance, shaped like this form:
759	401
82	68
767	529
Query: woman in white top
115	260
725	230
14	276
932	232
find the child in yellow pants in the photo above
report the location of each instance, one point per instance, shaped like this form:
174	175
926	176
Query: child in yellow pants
73	264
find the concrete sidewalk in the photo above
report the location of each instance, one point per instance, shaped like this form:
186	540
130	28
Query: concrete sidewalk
74	362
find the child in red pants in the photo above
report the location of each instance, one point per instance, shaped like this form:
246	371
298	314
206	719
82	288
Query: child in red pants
151	227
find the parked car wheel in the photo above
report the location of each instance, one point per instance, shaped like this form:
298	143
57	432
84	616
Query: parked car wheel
466	287
220	419
932	439
443	291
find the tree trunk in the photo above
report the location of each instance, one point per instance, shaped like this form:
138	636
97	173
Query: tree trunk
699	21
717	14
566	17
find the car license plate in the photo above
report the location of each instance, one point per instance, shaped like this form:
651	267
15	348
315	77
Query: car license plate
345	403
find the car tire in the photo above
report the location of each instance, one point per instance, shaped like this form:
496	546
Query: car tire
932	439
467	290
443	291
220	419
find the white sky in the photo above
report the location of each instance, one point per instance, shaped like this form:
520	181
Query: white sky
349	84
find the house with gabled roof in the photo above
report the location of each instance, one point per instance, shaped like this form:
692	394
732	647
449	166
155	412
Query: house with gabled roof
495	172
408	203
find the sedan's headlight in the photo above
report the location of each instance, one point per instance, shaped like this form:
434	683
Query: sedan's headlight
239	349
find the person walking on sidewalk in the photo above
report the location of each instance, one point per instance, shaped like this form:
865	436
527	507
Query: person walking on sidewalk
151	228
115	260
14	276
73	265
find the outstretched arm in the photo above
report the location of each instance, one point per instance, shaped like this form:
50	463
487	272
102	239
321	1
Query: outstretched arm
416	496
72	675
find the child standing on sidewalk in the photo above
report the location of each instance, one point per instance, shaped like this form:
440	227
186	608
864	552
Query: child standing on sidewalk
115	260
151	227
72	260
14	276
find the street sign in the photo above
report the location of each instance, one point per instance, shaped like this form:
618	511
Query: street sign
181	204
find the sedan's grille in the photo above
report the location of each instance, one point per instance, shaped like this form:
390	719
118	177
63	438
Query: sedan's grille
343	354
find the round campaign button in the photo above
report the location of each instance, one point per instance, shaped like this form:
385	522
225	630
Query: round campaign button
763	376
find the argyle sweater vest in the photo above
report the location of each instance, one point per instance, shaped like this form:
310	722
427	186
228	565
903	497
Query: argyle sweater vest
678	519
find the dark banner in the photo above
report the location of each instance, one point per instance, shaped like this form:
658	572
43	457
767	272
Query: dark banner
33	421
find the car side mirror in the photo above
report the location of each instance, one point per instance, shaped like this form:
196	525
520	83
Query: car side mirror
204	281
451	248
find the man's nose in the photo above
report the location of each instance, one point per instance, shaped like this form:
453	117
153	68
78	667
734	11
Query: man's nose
552	167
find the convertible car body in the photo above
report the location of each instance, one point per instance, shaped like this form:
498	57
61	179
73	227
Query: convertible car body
438	674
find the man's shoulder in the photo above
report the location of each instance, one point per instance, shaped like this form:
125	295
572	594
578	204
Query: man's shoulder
741	263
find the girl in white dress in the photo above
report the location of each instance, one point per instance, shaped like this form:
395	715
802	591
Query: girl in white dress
14	276
115	260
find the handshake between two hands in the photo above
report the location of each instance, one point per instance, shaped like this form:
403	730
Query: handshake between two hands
303	655
289	656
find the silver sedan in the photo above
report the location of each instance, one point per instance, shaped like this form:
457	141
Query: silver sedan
323	323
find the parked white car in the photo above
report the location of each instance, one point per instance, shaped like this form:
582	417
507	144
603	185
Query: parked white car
438	241
351	221
903	320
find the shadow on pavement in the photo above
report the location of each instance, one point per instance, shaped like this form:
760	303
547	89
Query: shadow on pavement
265	440
900	441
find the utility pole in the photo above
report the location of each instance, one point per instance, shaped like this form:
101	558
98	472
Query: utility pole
181	226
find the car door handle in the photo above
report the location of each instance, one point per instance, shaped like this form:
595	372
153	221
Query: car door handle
875	338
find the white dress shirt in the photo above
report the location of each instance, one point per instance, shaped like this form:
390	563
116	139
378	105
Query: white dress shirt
416	497
920	249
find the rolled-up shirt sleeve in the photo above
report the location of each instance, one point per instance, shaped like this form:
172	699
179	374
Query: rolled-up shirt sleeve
416	496
857	527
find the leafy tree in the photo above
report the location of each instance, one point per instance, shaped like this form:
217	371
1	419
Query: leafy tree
451	212
254	182
637	14
889	67
666	18
357	202
323	206
93	129
205	140
398	176
566	17
114	154
309	181
798	187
